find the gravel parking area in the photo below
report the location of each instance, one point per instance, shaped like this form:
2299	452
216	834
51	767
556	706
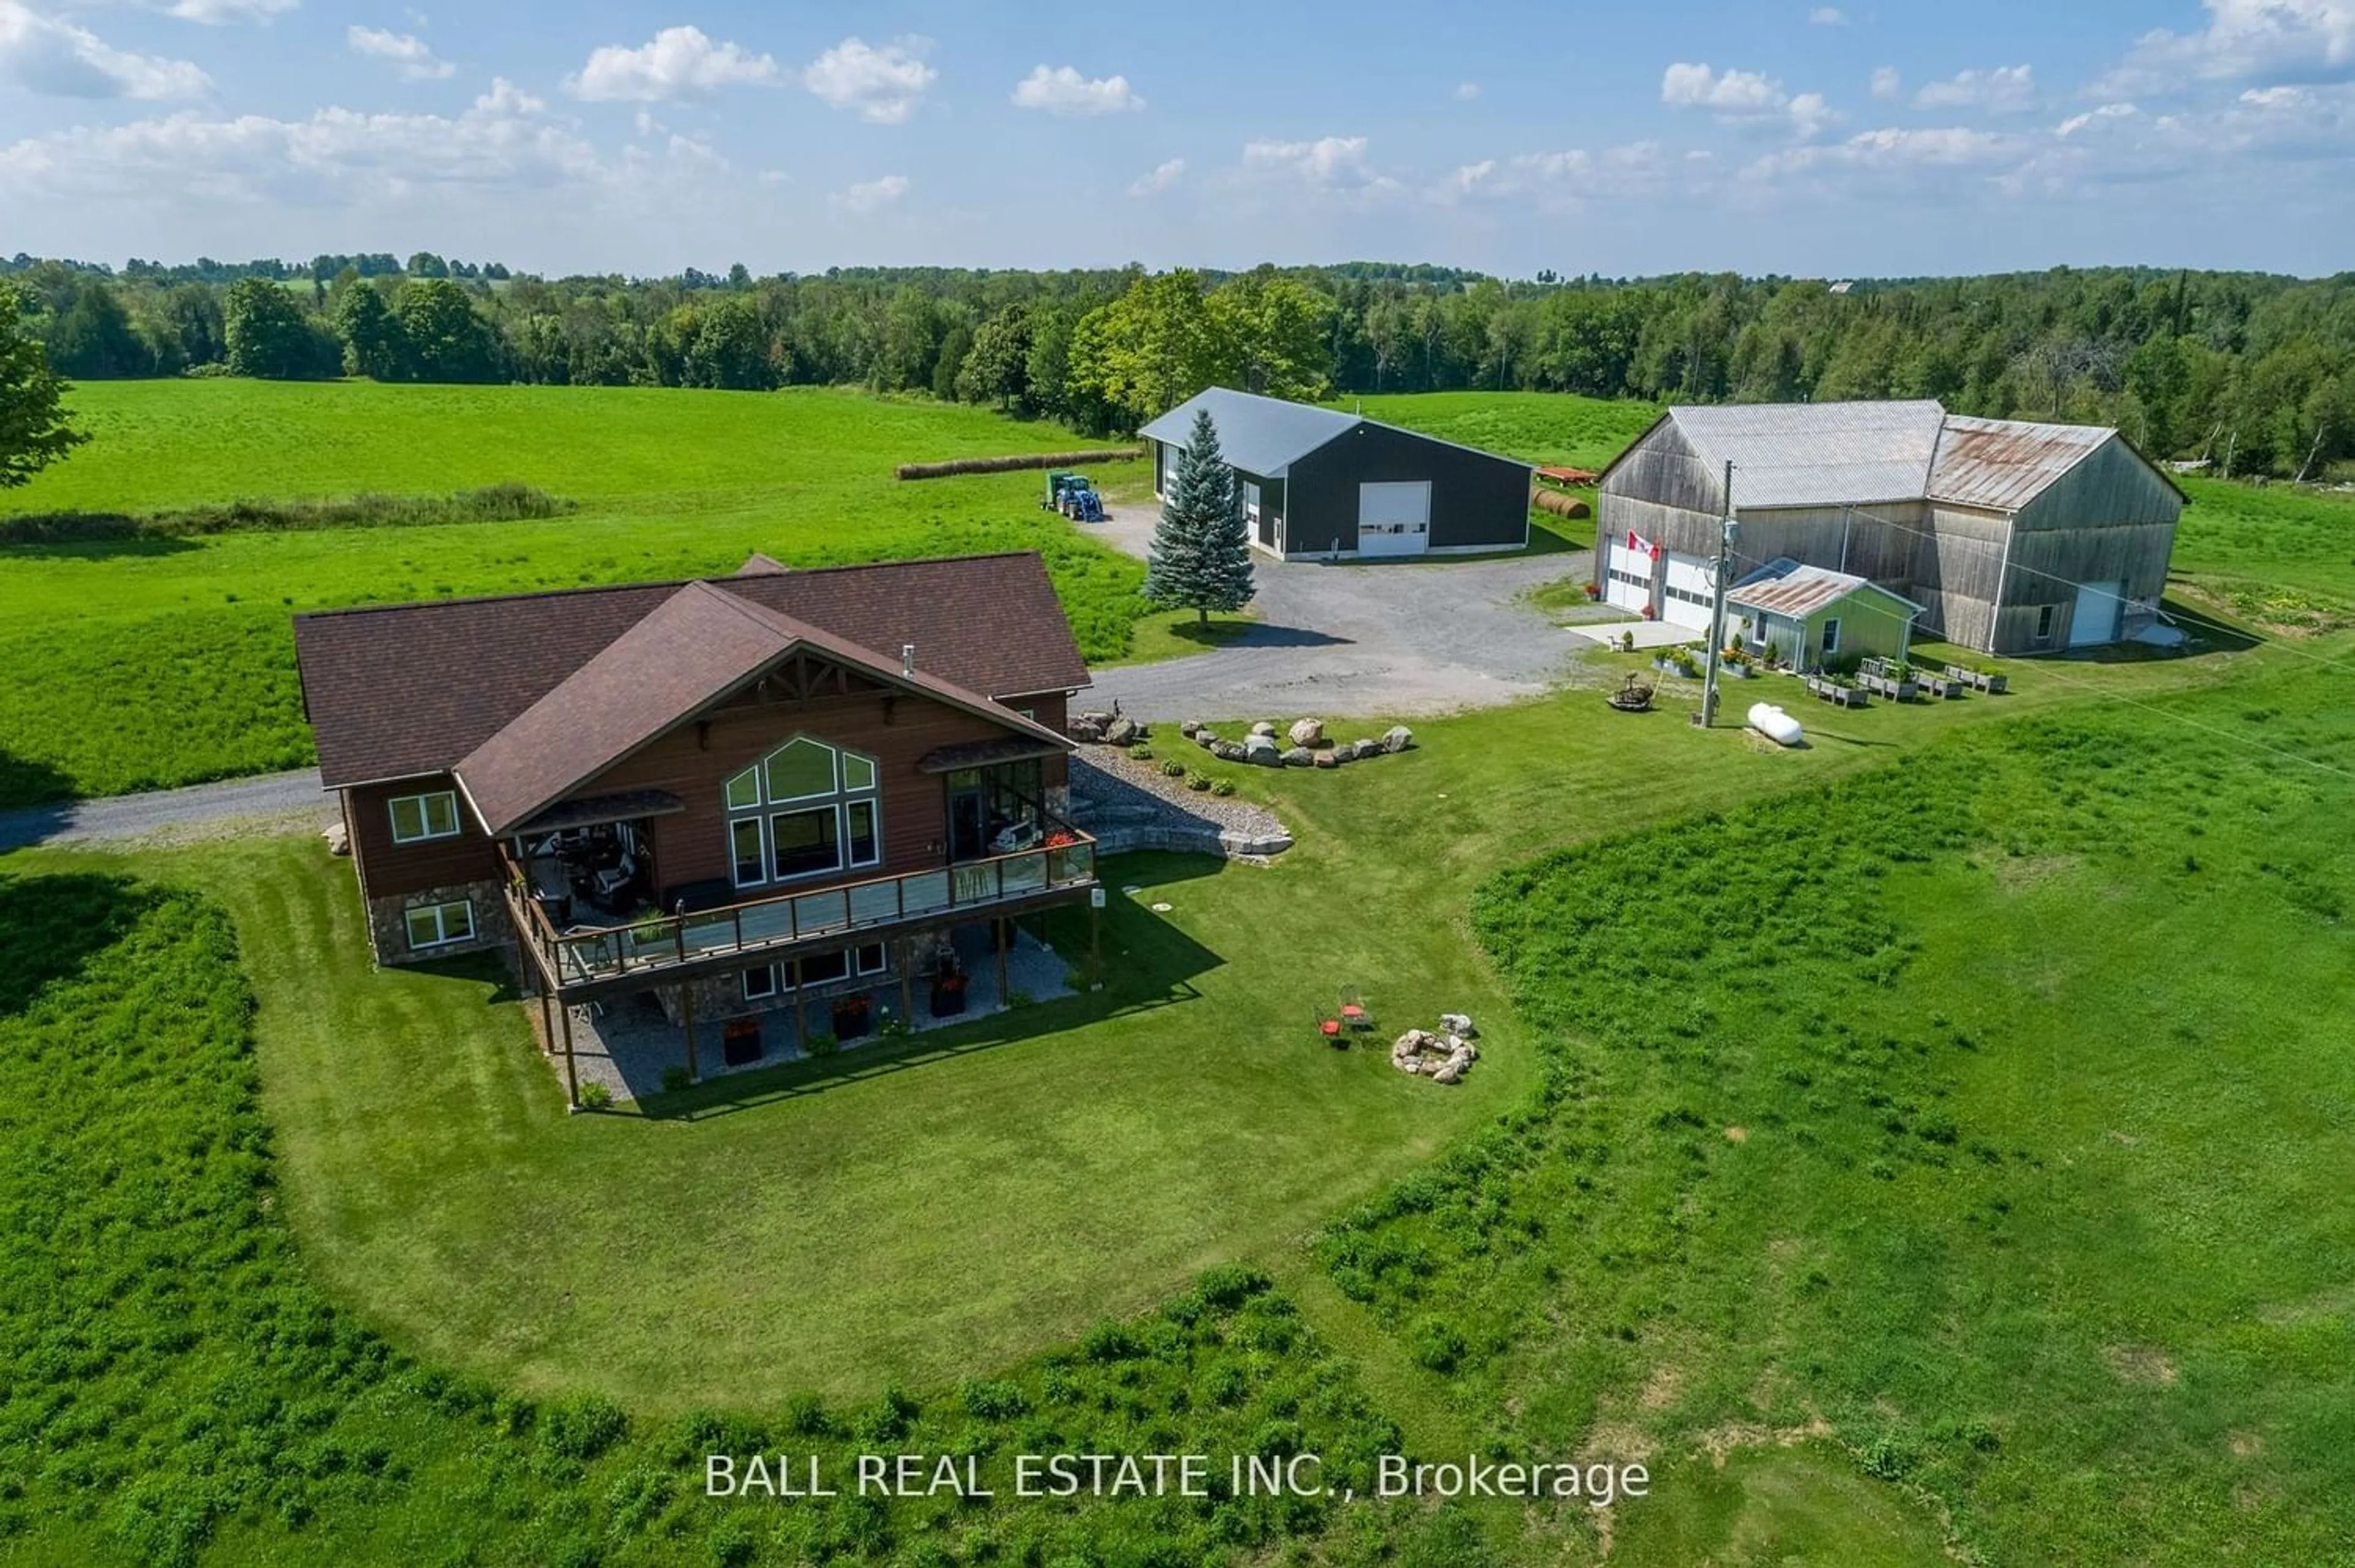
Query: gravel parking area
1391	638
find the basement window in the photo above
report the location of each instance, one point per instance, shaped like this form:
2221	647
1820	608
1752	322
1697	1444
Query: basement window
437	925
2044	623
417	817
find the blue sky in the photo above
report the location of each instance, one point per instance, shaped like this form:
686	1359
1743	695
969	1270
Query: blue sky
1861	139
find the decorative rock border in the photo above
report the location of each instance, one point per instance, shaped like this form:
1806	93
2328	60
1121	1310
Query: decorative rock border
1309	748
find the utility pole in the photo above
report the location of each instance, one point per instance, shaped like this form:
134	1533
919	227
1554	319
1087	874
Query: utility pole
1727	532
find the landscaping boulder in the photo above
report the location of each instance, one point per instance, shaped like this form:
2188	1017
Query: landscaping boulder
1397	738
1084	727
1123	732
338	837
1228	750
1299	757
1262	749
1325	759
1206	739
1344	752
1459	1024
1186	727
1367	747
1263	728
1307	732
1444	1057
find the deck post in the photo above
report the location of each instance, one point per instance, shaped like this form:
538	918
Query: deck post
997	939
686	1010
793	973
546	1020
571	1072
1096	947
907	983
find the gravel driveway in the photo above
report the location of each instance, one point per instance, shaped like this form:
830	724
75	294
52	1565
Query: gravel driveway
1395	639
289	800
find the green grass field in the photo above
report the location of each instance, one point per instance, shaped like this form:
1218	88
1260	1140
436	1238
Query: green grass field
1925	1145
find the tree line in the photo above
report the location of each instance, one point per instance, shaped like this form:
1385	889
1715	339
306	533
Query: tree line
2253	372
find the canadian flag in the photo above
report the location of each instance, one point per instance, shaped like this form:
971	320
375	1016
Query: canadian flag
1643	545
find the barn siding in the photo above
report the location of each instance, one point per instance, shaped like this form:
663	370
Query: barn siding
1661	467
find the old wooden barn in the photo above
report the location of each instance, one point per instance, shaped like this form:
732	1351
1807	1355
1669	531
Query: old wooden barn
2014	538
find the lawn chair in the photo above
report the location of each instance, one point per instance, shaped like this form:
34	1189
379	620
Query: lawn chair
1356	1017
1329	1029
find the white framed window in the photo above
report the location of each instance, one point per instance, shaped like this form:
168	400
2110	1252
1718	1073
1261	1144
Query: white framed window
760	984
870	959
817	969
1831	636
2043	623
439	926
417	817
832	820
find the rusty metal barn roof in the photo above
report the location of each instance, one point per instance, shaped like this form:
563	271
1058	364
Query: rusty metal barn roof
2005	463
1785	588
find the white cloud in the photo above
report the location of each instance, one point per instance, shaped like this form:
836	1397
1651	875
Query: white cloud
1827	17
2077	123
1064	90
1467	91
44	54
1737	94
1468	179
1162	176
407	53
677	62
215	12
2007	89
774	177
1892	150
871	196
883	85
2299	40
1887	85
1744	96
335	157
1570	178
1328	161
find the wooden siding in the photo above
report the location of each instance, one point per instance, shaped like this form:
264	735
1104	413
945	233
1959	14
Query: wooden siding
388	869
696	761
1477	499
1662	468
2111	518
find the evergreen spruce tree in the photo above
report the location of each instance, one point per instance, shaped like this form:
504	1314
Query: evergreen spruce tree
1201	559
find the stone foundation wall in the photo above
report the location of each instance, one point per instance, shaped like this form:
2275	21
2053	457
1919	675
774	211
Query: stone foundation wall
388	925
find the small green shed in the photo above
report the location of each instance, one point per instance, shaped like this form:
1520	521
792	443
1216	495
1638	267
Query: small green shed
1812	615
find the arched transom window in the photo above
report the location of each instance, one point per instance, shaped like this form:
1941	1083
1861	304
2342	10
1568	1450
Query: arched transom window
805	809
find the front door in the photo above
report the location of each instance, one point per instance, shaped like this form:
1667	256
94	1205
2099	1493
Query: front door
968	816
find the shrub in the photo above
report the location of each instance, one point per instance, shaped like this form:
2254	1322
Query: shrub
821	1044
505	503
1017	998
595	1096
1172	768
993	1400
1198	780
1223	787
1111	1340
583	1428
675	1078
805	1416
1437	1345
1141	753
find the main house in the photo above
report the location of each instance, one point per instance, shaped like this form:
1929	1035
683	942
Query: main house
727	789
1320	483
2012	537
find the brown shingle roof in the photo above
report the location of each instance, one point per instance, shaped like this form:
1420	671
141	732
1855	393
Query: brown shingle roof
397	691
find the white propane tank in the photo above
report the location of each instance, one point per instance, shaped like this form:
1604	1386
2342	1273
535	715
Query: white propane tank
1774	724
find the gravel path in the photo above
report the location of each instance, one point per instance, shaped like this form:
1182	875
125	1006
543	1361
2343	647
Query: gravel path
293	800
1399	638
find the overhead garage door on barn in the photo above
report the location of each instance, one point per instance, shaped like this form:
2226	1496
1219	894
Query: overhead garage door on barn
1394	519
2096	621
1626	577
1687	602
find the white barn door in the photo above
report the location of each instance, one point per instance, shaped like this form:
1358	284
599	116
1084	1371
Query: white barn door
2096	619
1394	519
1626	576
1687	602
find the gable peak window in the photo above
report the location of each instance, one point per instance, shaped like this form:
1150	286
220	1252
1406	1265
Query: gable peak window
805	809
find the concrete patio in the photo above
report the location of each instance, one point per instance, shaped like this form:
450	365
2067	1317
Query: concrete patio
627	1044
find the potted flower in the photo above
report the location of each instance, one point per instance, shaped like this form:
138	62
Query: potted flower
948	991
851	1012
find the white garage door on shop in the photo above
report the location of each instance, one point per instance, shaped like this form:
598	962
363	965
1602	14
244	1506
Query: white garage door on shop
1394	519
1626	577
1687	602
